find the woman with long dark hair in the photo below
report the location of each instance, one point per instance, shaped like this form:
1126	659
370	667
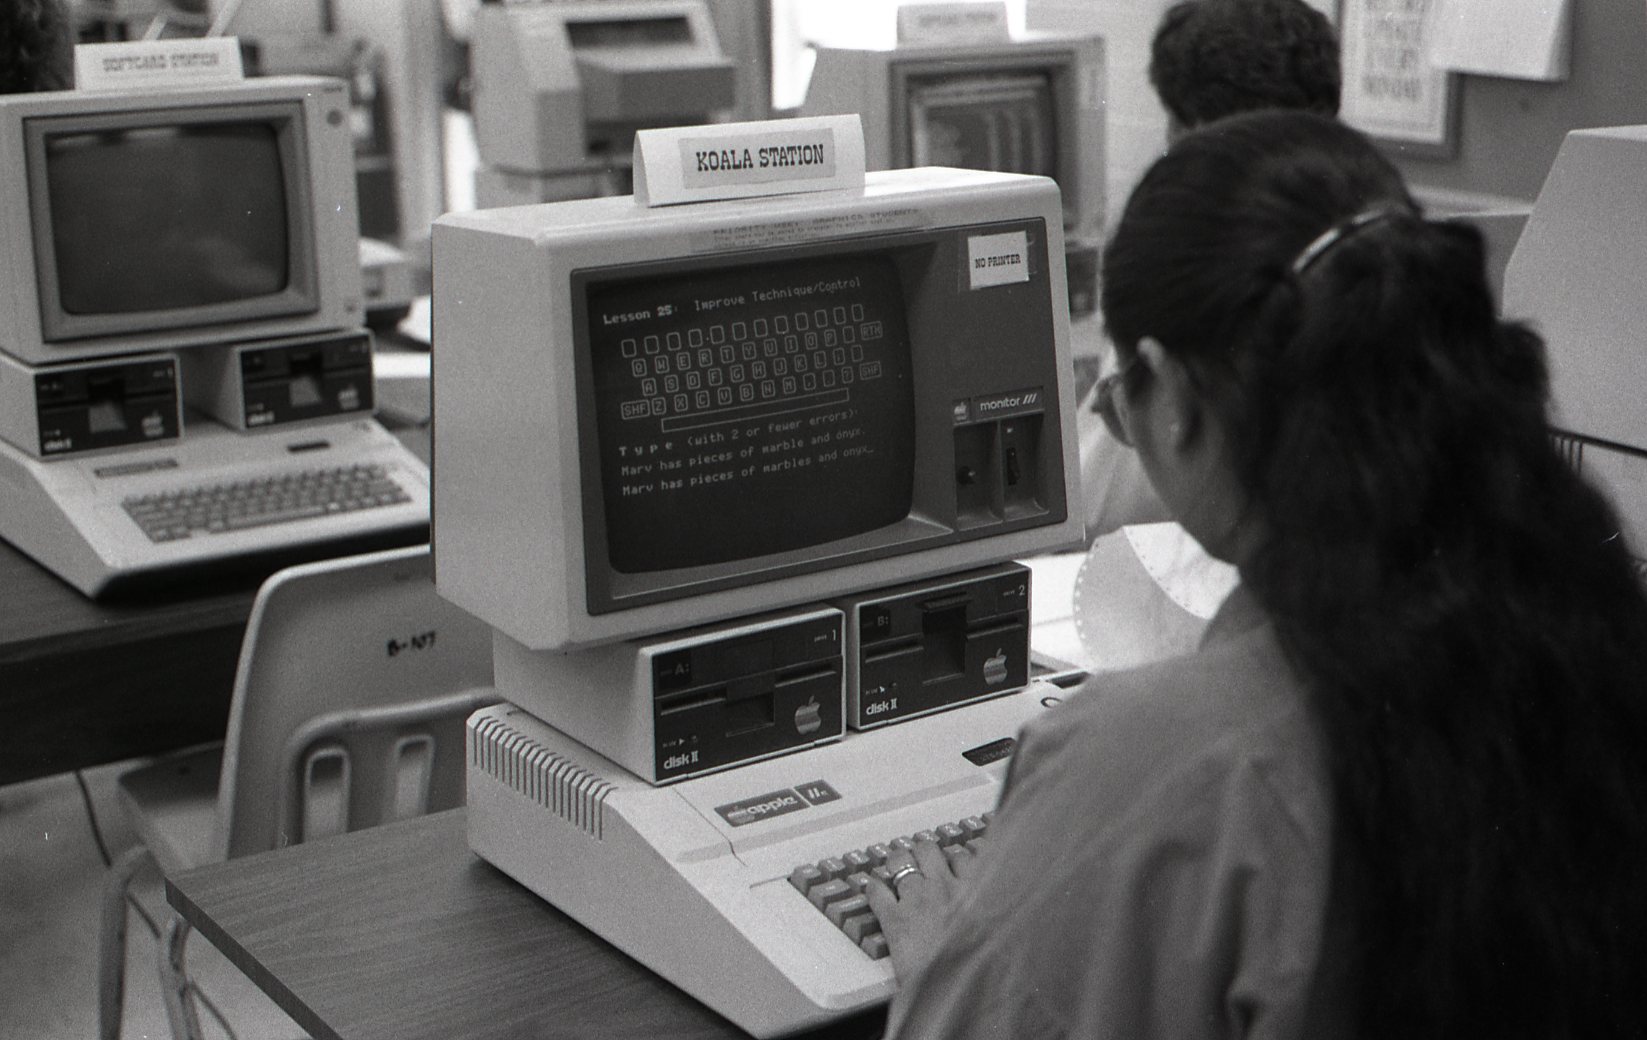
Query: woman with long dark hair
1401	789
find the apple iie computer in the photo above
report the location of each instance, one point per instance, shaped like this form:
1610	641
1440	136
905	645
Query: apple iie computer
185	382
738	485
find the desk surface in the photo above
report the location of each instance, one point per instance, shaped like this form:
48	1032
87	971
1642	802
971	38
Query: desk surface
401	932
84	682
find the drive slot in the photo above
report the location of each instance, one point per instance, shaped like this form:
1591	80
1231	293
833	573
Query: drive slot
804	675
690	701
892	648
1009	625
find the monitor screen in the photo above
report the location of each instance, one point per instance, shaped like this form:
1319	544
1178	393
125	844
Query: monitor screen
167	217
1006	122
199	212
158	218
720	393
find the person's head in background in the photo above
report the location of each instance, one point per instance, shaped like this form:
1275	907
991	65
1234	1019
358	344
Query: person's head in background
1211	59
1317	381
1216	58
36	46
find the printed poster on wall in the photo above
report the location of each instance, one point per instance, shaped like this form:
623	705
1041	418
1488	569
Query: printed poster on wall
1391	89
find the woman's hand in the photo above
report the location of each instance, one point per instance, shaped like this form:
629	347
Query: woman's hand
914	909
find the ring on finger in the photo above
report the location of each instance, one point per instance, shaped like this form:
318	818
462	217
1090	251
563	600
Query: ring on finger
901	873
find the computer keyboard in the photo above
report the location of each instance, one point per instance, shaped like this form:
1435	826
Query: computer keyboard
701	880
746	369
218	495
836	885
239	505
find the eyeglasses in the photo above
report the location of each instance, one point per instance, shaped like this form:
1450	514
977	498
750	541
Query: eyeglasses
1112	405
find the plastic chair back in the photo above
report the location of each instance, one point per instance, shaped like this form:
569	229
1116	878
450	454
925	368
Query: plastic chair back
355	678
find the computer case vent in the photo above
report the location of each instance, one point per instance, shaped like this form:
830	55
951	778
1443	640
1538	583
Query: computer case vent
516	760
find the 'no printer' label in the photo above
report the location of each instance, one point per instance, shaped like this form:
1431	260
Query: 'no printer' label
997	259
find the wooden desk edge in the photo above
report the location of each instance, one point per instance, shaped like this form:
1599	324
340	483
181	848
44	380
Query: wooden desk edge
240	957
648	1002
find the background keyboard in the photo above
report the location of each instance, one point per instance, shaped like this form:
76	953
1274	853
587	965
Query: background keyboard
282	498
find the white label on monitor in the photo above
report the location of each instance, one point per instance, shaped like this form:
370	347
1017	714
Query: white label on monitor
952	23
788	232
997	259
157	63
741	160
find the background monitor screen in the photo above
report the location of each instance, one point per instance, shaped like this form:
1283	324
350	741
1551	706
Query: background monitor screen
749	411
1004	122
151	218
629	32
166	217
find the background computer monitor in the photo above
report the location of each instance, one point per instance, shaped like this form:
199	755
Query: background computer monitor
559	90
157	219
1575	276
1033	104
893	400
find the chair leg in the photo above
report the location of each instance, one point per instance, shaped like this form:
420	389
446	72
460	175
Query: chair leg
174	981
111	954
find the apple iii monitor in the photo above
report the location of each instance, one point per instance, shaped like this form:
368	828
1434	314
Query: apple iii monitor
561	88
703	466
1032	104
654	417
183	378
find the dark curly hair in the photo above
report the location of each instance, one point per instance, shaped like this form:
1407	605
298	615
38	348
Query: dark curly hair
1217	58
36	46
1461	603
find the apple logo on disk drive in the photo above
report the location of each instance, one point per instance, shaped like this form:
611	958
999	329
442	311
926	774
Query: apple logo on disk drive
808	717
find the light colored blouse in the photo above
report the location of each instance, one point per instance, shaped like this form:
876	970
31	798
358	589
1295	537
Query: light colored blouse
1158	866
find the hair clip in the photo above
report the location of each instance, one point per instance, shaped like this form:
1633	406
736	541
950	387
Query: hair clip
1337	233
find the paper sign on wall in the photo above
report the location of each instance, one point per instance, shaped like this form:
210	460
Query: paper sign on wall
1520	39
1391	88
